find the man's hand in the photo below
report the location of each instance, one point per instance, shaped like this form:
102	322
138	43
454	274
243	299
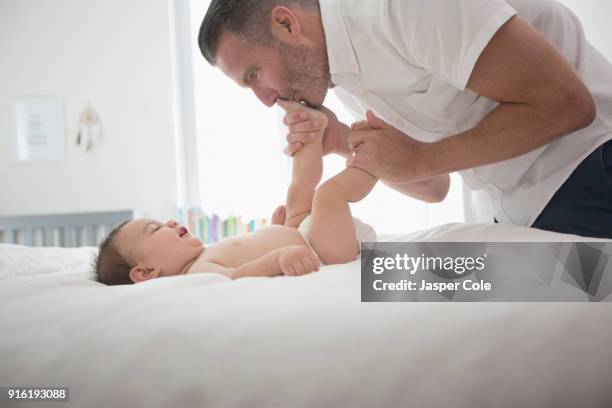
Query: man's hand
303	129
298	260
386	153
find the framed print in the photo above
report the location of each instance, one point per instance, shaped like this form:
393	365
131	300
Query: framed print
37	129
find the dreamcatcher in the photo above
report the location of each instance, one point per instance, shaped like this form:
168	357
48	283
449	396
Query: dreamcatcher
90	129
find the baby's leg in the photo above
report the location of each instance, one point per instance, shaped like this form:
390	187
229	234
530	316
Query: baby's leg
278	216
332	232
307	173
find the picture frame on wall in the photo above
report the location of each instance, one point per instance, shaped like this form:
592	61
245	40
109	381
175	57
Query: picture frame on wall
36	130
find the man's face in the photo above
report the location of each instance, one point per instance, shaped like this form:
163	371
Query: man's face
296	73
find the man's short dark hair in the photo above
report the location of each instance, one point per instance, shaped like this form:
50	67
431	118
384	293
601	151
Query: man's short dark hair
110	266
247	19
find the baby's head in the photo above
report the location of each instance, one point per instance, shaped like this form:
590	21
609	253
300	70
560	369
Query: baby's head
145	249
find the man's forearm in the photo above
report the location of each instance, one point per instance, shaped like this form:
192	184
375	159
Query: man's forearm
509	131
433	190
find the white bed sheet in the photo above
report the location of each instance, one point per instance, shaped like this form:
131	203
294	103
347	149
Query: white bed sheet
205	341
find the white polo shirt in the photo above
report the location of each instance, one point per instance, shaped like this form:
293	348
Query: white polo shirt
409	61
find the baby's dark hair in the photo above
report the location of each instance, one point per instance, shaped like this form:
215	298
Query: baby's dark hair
110	266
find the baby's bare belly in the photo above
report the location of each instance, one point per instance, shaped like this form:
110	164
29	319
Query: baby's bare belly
233	252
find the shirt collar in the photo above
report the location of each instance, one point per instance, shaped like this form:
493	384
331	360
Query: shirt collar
340	52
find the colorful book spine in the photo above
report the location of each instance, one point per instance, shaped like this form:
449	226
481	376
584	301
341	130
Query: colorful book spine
211	228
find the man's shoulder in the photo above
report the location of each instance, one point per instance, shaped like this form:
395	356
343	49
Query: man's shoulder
356	8
384	16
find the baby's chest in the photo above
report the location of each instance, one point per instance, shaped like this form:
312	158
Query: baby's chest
237	251
232	252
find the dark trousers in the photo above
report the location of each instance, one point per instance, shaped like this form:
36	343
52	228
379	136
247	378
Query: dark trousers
583	204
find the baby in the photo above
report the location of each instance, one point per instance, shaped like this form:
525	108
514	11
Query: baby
317	228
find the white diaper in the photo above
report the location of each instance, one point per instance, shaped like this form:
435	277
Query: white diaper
364	232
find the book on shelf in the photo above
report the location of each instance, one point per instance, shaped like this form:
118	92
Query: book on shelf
212	228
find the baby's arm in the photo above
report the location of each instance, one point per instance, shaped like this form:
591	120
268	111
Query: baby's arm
307	168
291	260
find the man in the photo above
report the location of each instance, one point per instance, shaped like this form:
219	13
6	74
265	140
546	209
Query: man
508	93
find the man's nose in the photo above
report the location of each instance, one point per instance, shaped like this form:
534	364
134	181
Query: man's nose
267	96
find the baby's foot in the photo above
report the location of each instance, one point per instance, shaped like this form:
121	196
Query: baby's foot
279	215
303	119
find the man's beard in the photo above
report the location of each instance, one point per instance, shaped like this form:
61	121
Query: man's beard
305	72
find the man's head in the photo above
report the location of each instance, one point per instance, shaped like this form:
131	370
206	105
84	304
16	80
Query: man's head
144	249
274	47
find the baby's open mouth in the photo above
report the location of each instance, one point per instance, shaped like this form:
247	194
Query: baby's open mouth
183	231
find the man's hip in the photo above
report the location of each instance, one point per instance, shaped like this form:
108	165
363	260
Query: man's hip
583	204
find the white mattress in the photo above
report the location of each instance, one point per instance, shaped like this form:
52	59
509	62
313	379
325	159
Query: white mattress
205	341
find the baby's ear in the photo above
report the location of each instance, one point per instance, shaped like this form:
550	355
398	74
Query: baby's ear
141	273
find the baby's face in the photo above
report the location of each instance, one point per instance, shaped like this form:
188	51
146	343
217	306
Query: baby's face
166	247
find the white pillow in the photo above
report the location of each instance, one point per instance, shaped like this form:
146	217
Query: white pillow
19	260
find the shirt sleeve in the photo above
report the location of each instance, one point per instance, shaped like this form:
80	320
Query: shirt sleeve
350	103
445	37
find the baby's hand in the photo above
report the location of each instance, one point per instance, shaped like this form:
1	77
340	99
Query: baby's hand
304	123
298	260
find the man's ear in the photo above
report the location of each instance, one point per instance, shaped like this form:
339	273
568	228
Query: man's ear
141	273
285	26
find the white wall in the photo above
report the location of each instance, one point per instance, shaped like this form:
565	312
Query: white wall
117	55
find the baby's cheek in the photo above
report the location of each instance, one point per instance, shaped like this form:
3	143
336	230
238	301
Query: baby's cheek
168	243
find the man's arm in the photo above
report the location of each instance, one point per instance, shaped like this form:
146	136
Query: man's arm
433	190
541	99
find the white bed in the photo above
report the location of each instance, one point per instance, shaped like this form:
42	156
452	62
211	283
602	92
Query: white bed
205	341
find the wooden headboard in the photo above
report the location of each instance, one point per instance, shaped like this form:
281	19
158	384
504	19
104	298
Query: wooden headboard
63	230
